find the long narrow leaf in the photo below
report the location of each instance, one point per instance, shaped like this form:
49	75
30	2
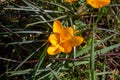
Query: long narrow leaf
105	50
86	49
42	56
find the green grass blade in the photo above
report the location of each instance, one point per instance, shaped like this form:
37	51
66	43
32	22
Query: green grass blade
42	56
20	72
86	49
104	69
105	50
55	74
29	57
51	20
92	57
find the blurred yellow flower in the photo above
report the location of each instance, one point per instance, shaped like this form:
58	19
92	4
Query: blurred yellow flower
62	39
70	1
98	3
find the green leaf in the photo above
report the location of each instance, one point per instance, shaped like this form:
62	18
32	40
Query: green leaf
20	72
105	50
86	49
41	58
29	57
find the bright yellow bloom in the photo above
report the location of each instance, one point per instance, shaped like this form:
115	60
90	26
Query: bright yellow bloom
62	39
70	1
98	3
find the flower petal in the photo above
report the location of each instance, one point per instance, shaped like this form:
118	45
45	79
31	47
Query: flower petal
69	31
75	41
70	1
54	38
66	34
98	3
53	50
57	27
65	47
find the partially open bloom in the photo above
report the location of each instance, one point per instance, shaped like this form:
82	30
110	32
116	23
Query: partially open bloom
62	39
70	1
98	3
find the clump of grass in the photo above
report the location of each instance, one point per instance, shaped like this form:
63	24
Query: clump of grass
25	26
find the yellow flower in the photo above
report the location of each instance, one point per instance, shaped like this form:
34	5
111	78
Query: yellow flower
98	3
70	1
62	39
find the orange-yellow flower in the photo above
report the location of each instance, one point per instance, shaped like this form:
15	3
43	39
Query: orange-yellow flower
62	39
70	1
98	3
